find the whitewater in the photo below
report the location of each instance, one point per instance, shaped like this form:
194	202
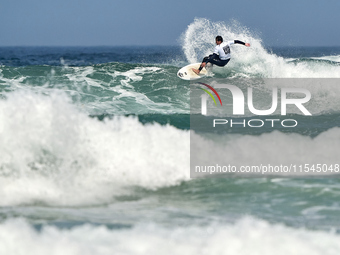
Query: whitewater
95	152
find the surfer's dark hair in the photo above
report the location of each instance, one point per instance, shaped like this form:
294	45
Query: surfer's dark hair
219	38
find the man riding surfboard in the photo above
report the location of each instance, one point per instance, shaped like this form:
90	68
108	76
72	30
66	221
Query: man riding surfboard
221	55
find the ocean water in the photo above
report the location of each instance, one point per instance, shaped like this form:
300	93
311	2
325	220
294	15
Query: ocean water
95	145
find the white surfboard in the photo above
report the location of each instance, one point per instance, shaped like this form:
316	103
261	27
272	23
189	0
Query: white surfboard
186	73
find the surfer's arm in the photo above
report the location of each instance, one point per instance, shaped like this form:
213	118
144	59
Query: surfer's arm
240	42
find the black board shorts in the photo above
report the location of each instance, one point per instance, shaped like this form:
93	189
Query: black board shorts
215	60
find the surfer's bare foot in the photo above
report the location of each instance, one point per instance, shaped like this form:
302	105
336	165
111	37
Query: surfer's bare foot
196	71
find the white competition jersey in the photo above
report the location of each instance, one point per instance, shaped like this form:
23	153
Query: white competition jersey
223	50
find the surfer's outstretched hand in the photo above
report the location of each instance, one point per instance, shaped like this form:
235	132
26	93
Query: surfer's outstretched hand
247	44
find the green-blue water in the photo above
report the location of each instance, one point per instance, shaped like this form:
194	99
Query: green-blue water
94	146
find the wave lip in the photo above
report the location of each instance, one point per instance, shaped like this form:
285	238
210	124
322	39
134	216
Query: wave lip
198	41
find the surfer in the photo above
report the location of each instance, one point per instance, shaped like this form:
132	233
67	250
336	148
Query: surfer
221	55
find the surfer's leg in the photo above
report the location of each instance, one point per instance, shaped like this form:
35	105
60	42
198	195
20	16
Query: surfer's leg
203	64
219	62
213	58
205	61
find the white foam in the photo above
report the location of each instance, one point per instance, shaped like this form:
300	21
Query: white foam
199	38
335	58
53	153
135	74
246	236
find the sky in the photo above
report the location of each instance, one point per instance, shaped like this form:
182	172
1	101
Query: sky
158	22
